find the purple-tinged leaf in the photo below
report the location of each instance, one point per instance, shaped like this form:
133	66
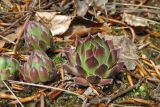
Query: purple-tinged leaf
37	59
33	39
78	60
101	70
81	81
42	45
70	70
43	74
81	71
89	53
82	49
45	36
93	79
27	79
92	62
99	51
116	69
25	69
110	44
113	57
88	39
34	75
78	41
69	56
106	81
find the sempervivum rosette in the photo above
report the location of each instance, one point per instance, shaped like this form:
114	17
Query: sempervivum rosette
39	68
8	68
93	61
37	36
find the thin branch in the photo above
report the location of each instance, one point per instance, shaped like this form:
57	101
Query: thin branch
126	91
48	87
20	34
7	39
146	6
14	23
13	94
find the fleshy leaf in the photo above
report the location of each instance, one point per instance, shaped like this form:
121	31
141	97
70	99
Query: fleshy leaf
70	70
34	75
38	68
93	59
8	67
106	81
70	56
92	62
101	70
37	36
89	53
116	69
43	74
110	44
93	79
81	81
81	71
99	53
78	60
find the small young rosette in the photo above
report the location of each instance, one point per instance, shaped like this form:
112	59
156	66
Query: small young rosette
37	36
39	68
8	68
93	61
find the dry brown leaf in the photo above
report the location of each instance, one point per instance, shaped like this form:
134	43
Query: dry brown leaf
11	37
128	50
46	16
2	43
137	21
80	26
58	24
81	7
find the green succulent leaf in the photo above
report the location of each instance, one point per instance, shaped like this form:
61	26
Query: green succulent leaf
38	68
94	59
8	68
38	36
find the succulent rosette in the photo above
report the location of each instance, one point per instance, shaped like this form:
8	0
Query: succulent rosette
93	61
39	68
8	68
37	36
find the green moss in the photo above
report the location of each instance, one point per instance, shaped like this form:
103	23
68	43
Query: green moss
143	91
64	100
58	60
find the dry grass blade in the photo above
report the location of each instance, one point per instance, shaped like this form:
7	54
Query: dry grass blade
62	73
7	39
155	68
13	94
130	79
6	96
145	6
138	100
20	34
48	87
55	93
27	99
113	97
